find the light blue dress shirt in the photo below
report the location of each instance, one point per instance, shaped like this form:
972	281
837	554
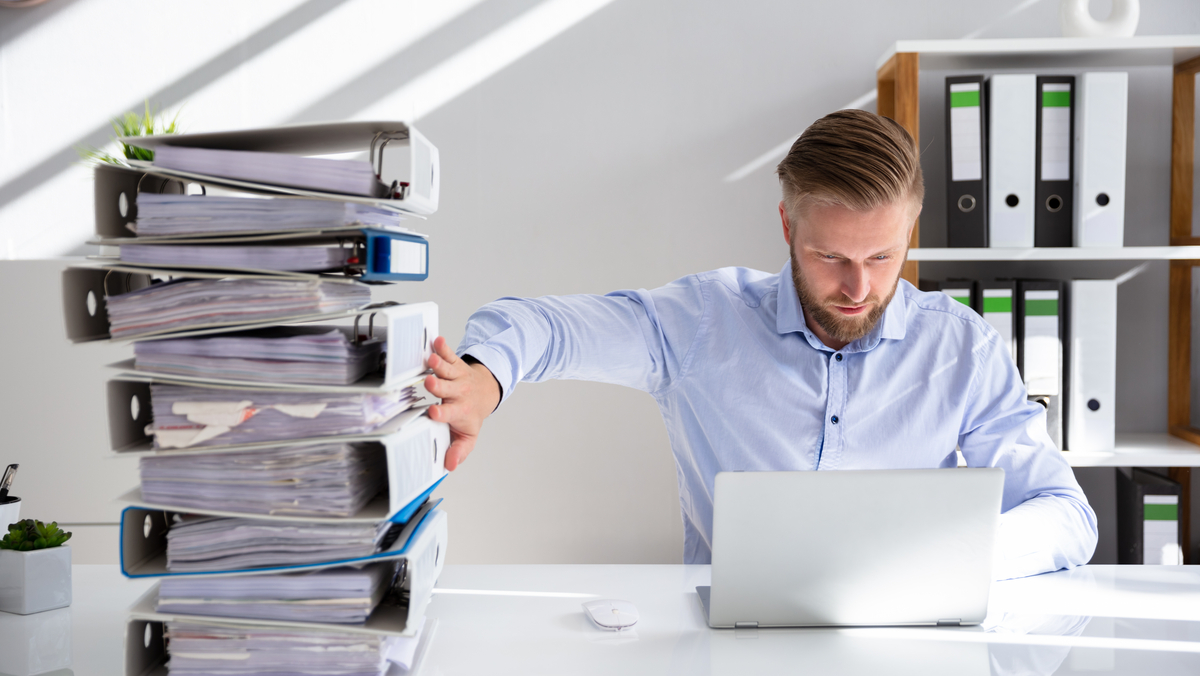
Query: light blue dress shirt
743	384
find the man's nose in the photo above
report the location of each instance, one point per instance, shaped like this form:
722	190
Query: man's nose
856	284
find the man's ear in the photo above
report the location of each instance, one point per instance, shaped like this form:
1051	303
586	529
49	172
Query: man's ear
787	225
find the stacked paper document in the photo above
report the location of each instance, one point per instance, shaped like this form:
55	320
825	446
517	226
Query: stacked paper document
337	595
352	177
208	544
190	417
283	354
250	257
203	649
192	303
320	480
159	215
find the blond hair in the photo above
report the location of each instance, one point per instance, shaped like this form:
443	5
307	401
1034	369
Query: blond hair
853	158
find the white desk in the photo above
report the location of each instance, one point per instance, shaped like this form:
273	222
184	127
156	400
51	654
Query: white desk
527	620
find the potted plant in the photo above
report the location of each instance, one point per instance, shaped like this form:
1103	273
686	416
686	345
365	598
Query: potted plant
35	568
118	182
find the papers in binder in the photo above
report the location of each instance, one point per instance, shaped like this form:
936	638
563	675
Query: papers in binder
201	649
205	544
198	215
294	355
194	303
193	417
260	257
337	595
353	177
320	480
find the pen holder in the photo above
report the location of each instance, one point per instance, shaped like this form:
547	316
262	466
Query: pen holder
10	513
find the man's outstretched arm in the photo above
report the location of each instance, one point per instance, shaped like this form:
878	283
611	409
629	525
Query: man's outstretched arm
634	338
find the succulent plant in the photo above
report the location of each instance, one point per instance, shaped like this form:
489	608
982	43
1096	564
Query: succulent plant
27	535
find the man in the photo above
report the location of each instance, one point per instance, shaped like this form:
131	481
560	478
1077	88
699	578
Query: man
834	363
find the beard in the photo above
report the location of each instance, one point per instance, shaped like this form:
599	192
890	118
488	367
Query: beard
822	311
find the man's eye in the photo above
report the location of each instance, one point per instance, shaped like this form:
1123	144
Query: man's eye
882	258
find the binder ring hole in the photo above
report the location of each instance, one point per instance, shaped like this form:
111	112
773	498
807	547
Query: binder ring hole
966	204
135	407
437	554
1102	199
147	528
1012	200
435	451
123	204
91	303
147	635
1093	405
1054	204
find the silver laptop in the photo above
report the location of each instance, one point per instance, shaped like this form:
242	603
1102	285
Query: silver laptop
852	547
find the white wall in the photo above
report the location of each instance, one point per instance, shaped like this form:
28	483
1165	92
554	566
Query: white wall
576	161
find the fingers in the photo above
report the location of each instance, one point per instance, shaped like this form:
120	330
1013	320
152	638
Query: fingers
442	349
459	449
455	415
443	361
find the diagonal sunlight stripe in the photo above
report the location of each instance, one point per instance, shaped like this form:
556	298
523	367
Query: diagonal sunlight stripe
270	35
775	154
778	152
481	60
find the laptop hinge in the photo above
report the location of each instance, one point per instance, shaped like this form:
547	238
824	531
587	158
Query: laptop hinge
745	625
949	623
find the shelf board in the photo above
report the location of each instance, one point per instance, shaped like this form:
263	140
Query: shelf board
1128	253
1140	450
1143	50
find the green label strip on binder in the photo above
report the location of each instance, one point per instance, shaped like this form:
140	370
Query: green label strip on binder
964	99
1162	512
998	305
1055	99
1041	308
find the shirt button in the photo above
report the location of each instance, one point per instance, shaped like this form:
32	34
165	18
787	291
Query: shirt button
838	357
834	419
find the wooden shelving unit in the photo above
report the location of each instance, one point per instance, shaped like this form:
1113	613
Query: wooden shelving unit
898	79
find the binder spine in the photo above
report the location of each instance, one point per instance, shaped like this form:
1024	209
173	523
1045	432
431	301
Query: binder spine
1054	170
1148	525
996	304
1012	132
966	162
1100	145
1039	348
395	257
1092	373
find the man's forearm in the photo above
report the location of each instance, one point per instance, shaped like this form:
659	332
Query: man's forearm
1044	534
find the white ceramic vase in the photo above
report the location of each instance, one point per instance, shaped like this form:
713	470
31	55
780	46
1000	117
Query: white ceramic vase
1077	22
33	581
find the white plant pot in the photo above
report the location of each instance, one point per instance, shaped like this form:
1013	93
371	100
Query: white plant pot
31	582
35	644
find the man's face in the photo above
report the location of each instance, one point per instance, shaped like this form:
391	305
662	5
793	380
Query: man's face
846	265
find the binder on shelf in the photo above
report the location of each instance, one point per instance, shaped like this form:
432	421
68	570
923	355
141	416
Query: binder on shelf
996	304
965	291
1012	138
1148	525
143	551
966	162
407	332
1100	162
86	291
1092	355
368	254
1054	194
415	191
1039	348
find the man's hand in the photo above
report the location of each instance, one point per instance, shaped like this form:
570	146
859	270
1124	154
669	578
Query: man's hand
469	393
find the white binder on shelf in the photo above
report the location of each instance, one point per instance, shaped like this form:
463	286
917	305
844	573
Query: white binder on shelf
1012	156
997	301
1039	350
1100	159
1091	415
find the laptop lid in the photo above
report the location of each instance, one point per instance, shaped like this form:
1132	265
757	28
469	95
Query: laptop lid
853	547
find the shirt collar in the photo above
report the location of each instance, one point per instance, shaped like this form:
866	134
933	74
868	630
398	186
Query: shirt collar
789	316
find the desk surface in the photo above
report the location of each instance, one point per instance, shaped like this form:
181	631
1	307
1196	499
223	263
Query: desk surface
527	620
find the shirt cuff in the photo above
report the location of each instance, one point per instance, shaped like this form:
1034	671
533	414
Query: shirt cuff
494	362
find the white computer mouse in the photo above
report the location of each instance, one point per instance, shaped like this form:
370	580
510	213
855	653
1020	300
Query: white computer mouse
611	614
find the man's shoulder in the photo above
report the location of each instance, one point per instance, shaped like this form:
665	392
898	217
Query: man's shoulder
939	310
745	284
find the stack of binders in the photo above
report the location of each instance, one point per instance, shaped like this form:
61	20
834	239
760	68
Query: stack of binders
1062	337
1036	160
285	453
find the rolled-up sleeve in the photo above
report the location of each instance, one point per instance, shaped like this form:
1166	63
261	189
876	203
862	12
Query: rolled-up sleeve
639	339
1046	523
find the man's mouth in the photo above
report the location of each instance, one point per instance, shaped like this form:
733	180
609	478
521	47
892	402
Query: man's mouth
851	310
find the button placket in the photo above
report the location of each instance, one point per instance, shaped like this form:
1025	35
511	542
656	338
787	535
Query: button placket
834	403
